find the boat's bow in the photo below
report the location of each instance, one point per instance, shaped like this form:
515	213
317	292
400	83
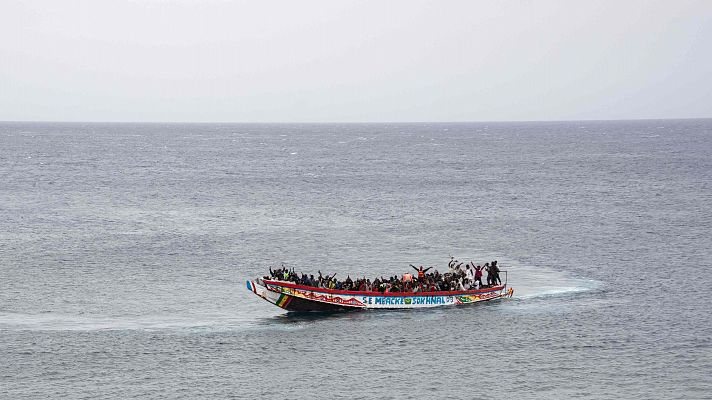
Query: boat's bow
293	297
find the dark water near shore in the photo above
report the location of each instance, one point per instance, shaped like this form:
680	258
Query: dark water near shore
124	249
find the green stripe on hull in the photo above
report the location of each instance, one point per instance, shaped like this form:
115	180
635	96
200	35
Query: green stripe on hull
283	300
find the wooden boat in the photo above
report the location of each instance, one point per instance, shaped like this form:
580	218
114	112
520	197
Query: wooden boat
294	297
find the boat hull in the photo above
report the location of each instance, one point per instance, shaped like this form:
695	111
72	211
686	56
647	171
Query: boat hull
293	297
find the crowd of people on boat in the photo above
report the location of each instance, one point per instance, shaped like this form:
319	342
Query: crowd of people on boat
459	277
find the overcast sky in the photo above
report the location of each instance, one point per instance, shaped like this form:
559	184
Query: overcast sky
338	61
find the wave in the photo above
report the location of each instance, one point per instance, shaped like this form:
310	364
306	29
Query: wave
529	283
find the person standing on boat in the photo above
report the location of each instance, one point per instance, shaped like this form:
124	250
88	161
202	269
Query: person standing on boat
457	271
495	269
490	274
421	272
478	274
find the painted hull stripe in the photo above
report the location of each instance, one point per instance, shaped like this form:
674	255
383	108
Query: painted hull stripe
251	287
324	291
283	300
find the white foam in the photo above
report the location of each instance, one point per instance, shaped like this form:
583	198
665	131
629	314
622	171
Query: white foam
532	282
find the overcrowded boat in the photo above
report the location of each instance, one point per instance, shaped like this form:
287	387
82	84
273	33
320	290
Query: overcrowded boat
461	285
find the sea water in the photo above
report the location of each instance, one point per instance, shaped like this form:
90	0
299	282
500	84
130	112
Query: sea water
124	250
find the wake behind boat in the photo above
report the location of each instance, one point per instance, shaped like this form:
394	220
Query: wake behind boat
459	286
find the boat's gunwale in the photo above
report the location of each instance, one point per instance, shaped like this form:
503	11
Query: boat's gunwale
292	285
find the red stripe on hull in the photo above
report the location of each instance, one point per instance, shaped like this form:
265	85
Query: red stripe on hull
402	294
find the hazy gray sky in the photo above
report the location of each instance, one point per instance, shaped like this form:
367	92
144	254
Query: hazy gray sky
280	61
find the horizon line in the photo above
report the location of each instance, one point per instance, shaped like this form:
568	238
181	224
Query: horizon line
351	122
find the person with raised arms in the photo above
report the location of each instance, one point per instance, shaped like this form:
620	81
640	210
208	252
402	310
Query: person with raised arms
421	272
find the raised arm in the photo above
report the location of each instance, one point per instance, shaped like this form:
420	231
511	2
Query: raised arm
413	266
426	269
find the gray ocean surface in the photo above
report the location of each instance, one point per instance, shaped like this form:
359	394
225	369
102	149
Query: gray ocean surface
124	250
